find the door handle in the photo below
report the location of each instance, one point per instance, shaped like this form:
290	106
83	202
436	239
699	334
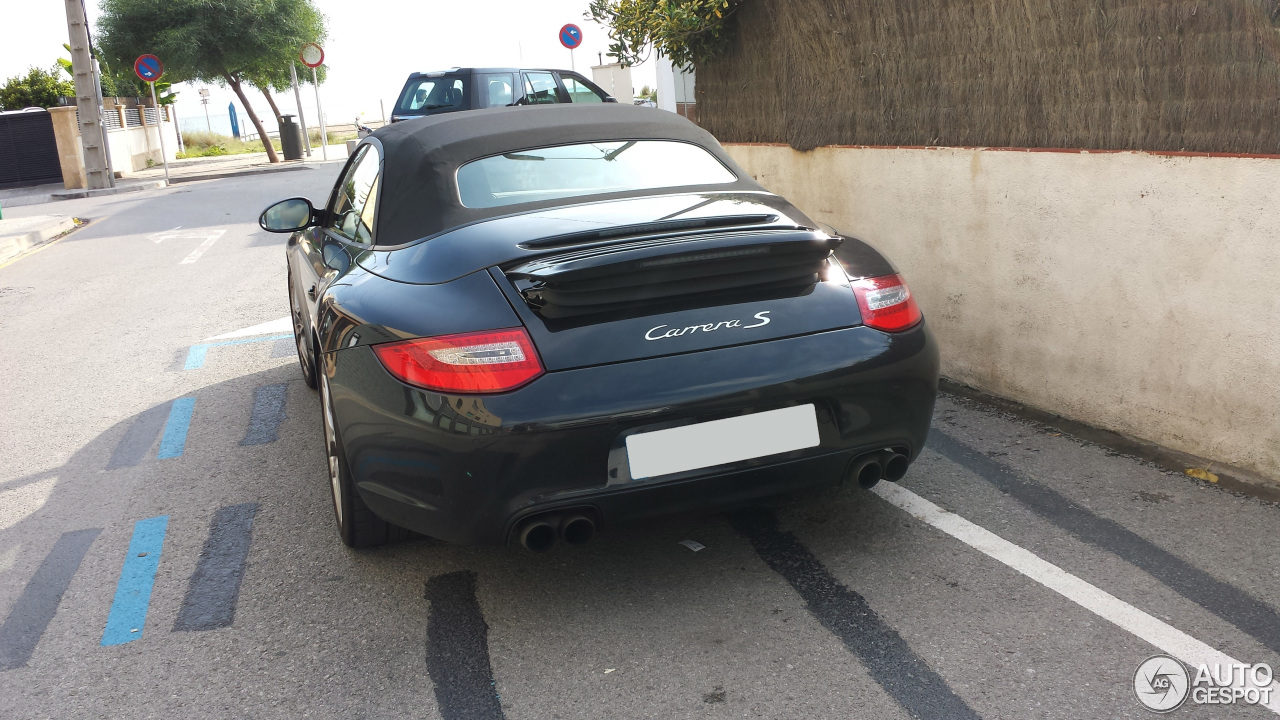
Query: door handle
311	291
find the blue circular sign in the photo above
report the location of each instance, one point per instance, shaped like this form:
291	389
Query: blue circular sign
148	68
571	36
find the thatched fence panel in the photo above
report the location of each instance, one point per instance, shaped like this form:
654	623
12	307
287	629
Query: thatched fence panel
1104	74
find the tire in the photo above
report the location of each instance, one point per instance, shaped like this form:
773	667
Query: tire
301	341
357	525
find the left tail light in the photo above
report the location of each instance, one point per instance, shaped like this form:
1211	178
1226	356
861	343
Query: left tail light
484	362
886	303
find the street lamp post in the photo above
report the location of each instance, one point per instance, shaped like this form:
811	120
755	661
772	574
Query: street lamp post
204	100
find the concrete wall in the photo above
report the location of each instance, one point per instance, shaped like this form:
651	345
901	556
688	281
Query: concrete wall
615	80
132	147
1135	292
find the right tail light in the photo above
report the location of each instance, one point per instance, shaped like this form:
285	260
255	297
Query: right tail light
886	303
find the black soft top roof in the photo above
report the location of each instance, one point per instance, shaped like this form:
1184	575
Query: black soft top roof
419	195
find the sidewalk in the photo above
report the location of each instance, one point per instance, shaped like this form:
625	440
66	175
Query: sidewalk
18	235
188	170
20	196
209	168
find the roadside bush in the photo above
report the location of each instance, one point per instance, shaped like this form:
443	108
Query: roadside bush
40	88
199	143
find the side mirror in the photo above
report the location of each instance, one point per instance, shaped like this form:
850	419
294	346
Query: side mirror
289	215
610	98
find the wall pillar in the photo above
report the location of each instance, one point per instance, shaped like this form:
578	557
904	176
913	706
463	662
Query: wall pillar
66	132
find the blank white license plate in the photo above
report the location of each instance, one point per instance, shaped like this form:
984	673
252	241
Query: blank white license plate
718	442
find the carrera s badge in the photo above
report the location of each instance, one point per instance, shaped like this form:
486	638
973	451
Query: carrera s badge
657	334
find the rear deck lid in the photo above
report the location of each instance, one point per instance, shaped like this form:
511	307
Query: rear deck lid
667	296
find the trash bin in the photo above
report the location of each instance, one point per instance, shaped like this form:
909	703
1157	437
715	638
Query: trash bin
290	138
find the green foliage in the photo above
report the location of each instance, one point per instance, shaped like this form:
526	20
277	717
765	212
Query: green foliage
215	41
40	88
686	31
226	42
648	93
115	83
195	152
198	143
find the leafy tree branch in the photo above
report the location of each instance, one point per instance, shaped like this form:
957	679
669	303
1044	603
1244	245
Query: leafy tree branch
686	31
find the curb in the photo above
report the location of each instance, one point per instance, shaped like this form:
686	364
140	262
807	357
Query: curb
235	173
75	194
15	245
131	187
1224	476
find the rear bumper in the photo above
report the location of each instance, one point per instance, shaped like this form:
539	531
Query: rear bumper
465	469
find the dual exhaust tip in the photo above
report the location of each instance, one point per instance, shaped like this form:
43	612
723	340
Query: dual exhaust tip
541	532
869	469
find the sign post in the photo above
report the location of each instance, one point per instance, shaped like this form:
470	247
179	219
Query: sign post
312	56
204	100
297	97
149	69
571	37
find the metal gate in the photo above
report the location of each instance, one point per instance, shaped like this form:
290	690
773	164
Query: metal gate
28	151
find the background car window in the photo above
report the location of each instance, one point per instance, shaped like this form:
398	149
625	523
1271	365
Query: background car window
540	88
579	92
430	94
353	212
586	169
498	89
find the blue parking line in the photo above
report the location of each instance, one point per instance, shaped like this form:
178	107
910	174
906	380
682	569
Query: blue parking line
133	593
175	430
197	353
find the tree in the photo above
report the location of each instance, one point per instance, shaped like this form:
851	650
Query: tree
277	78
40	88
116	84
648	93
272	73
686	31
223	41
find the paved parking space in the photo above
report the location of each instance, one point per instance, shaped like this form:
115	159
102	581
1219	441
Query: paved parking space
167	546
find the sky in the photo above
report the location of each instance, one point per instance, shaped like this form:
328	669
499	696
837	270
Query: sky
372	47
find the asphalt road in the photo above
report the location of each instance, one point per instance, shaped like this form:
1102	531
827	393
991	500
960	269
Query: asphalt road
167	546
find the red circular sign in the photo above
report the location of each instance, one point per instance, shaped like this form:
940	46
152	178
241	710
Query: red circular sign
148	68
571	36
312	55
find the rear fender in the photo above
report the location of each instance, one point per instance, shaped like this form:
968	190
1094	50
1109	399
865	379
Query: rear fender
364	309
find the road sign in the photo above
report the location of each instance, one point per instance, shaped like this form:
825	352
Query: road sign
148	68
571	36
312	55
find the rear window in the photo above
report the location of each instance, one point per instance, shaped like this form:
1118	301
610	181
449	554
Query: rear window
427	95
586	169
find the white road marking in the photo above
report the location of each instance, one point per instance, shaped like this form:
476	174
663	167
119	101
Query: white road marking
1162	635
211	237
160	237
273	327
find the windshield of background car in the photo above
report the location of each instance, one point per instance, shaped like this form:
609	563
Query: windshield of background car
428	95
587	169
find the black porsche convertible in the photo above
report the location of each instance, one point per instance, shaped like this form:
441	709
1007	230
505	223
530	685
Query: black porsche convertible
529	325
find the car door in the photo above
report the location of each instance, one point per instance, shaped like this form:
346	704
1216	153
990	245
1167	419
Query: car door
578	90
540	88
495	90
348	225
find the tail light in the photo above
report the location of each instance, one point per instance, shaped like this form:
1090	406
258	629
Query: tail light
483	362
886	303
